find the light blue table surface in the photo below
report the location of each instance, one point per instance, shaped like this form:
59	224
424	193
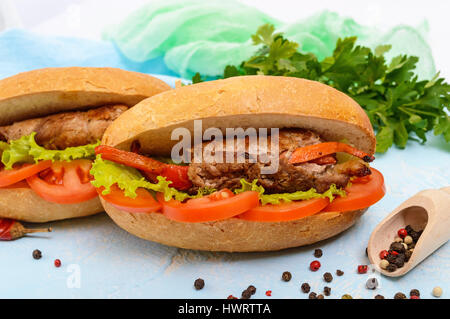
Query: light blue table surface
115	264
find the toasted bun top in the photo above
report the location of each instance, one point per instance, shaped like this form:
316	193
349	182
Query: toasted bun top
46	91
247	101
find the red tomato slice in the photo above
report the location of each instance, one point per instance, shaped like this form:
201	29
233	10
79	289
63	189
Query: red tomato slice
286	211
143	203
64	183
208	209
17	174
360	195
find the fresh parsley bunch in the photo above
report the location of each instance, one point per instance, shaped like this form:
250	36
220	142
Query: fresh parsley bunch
399	106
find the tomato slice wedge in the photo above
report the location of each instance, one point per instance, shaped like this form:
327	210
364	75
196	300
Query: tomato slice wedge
360	195
64	182
143	203
286	211
209	208
17	174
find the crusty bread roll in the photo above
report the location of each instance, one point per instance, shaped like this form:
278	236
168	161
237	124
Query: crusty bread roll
47	91
250	101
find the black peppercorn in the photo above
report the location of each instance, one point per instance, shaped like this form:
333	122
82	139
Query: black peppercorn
414	292
339	273
400	261
408	255
320	297
391	268
327	291
318	253
312	295
398	247
379	297
400	295
409	229
37	254
199	284
391	258
246	294
251	290
287	276
328	277
306	288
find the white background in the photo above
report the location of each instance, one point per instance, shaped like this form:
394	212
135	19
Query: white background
87	18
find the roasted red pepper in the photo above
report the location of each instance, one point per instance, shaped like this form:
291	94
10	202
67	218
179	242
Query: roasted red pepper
11	230
151	168
318	151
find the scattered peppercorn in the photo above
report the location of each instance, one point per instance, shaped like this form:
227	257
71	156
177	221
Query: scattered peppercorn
327	291
57	263
269	293
372	284
379	297
306	288
339	272
199	284
346	296
328	277
318	253
231	297
37	254
362	269
315	265
367	252
414	292
400	295
287	276
246	294
312	295
252	289
320	297
402	233
414	297
437	292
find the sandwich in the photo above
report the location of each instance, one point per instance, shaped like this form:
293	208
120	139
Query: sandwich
51	120
170	170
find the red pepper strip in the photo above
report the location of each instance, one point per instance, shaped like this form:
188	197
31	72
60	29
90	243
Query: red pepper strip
313	152
151	168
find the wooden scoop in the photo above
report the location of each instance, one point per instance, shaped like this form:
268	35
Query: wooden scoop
429	211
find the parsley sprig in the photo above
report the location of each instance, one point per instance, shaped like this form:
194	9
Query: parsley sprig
399	106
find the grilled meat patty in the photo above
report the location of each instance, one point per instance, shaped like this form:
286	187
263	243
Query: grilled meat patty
289	178
59	131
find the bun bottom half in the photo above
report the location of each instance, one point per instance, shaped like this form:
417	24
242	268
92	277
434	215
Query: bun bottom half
234	235
25	205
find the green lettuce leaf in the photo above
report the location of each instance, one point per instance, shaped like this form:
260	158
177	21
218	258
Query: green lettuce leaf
26	150
128	179
288	197
107	173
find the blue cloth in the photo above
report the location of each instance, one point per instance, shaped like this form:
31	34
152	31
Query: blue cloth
110	263
24	51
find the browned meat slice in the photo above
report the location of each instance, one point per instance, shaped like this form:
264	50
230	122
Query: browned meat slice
64	130
288	178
